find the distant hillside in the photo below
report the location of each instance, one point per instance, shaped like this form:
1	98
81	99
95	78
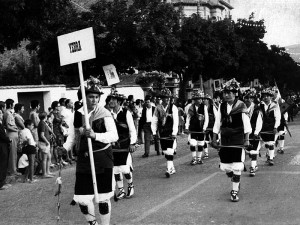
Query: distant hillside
294	51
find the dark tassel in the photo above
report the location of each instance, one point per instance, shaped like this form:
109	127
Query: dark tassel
73	203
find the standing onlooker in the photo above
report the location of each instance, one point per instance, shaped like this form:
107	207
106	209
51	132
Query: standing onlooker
19	109
12	133
29	148
4	153
34	117
44	145
145	123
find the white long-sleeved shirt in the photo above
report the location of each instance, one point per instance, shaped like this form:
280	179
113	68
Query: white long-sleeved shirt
245	118
111	134
175	120
130	123
206	118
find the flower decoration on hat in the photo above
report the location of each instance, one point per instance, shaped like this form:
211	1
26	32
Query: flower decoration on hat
251	93
115	94
207	96
267	91
93	85
197	94
165	92
231	85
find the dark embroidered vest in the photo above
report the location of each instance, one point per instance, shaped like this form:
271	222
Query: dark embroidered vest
165	122
253	118
268	119
211	117
102	159
196	124
123	131
232	126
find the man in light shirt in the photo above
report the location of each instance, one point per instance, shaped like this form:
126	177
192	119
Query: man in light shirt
234	125
145	123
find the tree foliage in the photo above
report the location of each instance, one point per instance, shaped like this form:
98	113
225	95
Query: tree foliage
147	35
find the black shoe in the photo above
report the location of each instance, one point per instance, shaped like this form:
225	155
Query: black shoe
234	196
145	155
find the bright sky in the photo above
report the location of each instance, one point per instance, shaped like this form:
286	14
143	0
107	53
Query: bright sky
282	18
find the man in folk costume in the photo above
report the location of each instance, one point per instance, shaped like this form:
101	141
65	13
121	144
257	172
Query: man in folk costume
196	124
283	121
103	132
233	123
212	110
269	119
123	148
165	120
255	144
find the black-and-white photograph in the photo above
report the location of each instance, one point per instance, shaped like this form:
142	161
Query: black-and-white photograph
149	112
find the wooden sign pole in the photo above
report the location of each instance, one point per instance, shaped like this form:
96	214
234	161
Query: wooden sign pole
87	124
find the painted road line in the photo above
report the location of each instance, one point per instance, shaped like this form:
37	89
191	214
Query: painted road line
170	200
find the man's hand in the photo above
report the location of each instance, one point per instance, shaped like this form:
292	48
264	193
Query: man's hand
186	131
90	133
131	148
246	143
215	144
256	137
155	137
275	131
173	137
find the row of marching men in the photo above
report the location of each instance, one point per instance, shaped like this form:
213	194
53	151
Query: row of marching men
113	136
236	128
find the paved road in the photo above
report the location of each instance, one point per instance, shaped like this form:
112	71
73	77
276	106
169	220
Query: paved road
194	195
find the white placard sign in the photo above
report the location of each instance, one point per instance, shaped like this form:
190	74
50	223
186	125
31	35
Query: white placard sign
76	46
111	74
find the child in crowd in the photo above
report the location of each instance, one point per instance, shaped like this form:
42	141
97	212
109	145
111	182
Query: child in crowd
28	149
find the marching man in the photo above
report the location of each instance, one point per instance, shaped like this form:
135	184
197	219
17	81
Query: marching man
255	144
123	148
103	131
212	110
165	120
270	120
233	124
196	124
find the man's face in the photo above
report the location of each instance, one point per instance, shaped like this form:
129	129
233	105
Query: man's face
113	103
1	116
266	98
70	105
248	100
22	109
198	101
228	96
92	100
158	101
165	100
148	103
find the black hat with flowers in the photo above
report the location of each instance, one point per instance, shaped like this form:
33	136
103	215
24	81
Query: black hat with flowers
93	85
250	93
165	93
231	85
268	91
115	94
